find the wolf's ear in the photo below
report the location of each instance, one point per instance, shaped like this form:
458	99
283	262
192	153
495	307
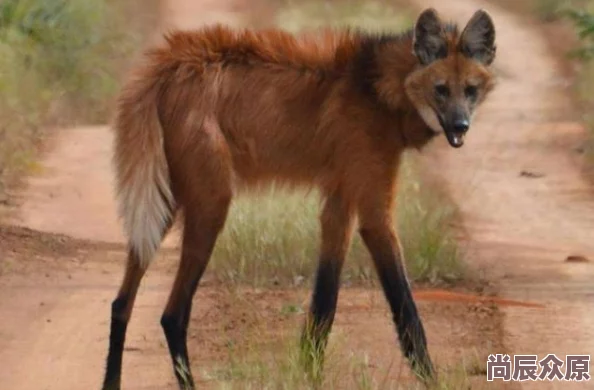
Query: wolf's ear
478	38
429	40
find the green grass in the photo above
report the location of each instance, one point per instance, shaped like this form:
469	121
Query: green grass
60	63
580	13
282	370
583	21
273	238
252	367
375	16
548	10
274	361
579	16
544	10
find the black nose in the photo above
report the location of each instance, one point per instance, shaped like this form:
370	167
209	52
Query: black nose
461	125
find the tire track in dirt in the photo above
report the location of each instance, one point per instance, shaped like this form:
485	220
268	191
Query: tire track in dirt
522	227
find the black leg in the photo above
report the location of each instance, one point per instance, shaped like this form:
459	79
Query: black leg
385	251
336	222
200	234
121	309
323	305
176	335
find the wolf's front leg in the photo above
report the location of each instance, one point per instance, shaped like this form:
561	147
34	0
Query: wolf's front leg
382	242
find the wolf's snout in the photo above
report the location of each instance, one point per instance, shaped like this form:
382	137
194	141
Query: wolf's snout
461	125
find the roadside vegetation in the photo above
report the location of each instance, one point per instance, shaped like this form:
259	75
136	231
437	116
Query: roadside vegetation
577	16
60	64
582	18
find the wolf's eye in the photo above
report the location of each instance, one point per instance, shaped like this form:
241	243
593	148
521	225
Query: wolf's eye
442	90
471	91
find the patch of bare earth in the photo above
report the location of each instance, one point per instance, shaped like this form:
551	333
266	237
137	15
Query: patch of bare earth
58	292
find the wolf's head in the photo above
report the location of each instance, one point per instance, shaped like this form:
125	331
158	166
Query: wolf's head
454	74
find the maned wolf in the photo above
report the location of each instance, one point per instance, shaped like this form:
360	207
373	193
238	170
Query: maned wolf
217	110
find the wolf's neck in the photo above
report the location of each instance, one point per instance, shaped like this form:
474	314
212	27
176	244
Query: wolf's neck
381	66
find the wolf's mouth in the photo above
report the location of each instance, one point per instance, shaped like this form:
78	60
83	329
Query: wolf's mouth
455	139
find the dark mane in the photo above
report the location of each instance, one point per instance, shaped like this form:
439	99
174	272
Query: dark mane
318	50
365	68
324	51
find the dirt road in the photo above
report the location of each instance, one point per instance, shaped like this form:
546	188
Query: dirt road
521	229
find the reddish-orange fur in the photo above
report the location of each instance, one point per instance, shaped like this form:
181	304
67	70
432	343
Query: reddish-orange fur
283	108
217	110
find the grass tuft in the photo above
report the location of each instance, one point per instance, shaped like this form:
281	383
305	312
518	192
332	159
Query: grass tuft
581	15
273	237
280	366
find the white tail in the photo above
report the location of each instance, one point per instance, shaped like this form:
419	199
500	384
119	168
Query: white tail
146	202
